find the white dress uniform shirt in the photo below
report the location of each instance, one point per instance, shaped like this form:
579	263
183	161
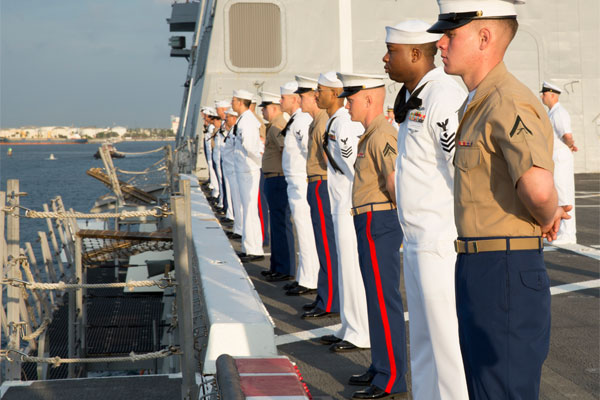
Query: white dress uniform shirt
424	171
564	178
295	145
248	159
424	195
343	135
293	162
248	146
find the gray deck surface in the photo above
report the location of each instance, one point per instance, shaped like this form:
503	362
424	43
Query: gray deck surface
572	368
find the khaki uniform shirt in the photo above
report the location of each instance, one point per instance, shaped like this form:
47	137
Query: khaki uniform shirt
503	133
271	161
375	160
316	163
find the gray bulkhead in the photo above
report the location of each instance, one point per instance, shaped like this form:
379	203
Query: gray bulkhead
260	44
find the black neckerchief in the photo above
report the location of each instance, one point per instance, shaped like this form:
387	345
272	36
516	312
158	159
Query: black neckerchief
402	107
326	149
284	131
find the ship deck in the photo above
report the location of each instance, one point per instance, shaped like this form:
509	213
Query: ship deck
571	370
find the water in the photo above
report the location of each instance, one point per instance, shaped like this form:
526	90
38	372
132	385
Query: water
43	179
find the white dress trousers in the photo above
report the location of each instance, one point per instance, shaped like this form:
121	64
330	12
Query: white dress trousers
229	179
216	156
564	178
424	195
212	175
343	136
248	157
293	162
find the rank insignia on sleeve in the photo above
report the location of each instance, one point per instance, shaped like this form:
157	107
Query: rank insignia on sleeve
388	149
447	141
347	152
519	127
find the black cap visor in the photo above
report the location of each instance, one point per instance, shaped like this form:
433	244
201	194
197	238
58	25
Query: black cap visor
444	25
301	90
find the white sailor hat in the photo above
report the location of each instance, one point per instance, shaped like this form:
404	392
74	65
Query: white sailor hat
222	104
410	32
203	109
548	87
354	83
289	88
330	79
269	98
231	112
456	13
305	84
210	111
243	94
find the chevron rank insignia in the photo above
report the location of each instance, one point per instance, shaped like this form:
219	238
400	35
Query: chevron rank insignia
388	149
347	152
447	141
519	127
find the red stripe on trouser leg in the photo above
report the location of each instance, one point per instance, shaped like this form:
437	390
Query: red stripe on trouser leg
260	214
382	309
326	248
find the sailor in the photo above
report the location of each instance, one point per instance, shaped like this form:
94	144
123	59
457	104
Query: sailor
504	203
564	147
209	130
340	141
221	107
327	302
217	140
263	208
283	254
427	111
248	158
293	162
379	235
229	172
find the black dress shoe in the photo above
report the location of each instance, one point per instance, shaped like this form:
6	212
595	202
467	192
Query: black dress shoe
251	258
329	339
290	285
318	313
278	277
343	346
373	392
309	306
241	254
299	290
362	380
267	273
235	236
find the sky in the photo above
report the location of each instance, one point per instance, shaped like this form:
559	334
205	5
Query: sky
88	63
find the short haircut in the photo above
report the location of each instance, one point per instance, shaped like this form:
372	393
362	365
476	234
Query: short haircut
428	49
246	102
